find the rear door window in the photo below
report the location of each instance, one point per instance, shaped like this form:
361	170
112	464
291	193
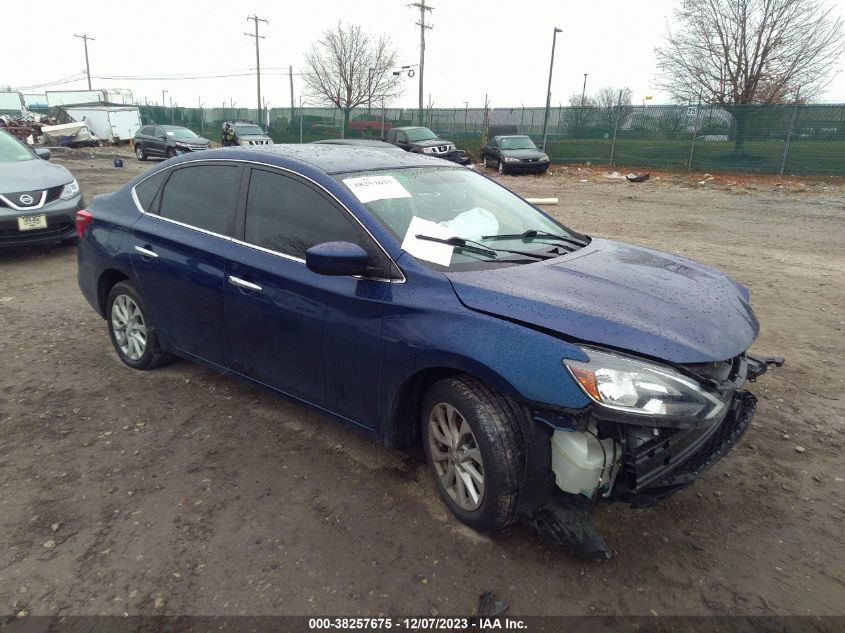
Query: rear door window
202	196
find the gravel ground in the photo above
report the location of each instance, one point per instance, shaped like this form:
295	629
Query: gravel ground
180	491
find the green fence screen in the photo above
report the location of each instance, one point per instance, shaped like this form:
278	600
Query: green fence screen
800	139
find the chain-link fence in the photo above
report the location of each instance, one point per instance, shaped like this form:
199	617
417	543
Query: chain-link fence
794	139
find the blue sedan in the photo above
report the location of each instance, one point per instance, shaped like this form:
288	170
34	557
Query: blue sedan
540	369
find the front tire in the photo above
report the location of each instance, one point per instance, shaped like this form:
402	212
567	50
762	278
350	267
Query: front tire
171	152
131	330
501	166
140	152
472	444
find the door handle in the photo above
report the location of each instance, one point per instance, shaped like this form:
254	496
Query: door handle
242	283
145	252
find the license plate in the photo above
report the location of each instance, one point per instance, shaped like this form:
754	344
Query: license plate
29	222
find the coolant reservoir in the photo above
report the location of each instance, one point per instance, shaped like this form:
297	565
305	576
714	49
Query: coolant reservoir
578	461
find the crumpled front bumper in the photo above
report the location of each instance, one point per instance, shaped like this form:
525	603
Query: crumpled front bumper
665	465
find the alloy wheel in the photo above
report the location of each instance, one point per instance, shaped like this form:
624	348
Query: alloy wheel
456	456
130	330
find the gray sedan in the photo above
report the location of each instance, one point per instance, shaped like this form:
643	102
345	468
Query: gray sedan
38	200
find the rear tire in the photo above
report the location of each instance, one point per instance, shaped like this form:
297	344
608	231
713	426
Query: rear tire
131	330
140	152
472	442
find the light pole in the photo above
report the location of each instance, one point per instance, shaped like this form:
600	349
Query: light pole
466	111
549	90
584	90
163	102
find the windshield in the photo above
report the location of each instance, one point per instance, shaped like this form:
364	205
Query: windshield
180	132
518	142
249	130
12	150
420	134
444	202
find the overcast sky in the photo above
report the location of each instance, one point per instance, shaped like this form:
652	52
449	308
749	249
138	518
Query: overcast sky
498	47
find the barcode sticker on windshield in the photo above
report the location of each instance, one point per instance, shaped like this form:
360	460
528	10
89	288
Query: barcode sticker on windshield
369	188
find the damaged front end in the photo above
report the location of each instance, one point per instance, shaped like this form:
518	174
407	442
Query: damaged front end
650	431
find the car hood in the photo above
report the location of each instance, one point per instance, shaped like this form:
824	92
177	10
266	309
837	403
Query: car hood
432	142
192	141
522	153
621	296
29	175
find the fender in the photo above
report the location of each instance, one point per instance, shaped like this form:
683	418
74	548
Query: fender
443	335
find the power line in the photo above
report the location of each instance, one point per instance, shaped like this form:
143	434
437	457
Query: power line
256	19
85	39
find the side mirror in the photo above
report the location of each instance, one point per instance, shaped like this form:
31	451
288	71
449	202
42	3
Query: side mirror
163	137
337	258
43	153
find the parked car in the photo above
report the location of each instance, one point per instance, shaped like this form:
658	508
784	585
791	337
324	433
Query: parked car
421	140
514	154
167	141
38	199
359	142
311	123
250	134
369	124
430	306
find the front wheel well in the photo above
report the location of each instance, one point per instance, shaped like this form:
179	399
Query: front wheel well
106	282
404	431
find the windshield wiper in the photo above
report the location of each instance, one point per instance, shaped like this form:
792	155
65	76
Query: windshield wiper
459	242
470	245
532	233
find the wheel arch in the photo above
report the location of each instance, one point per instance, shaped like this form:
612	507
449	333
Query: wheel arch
403	428
107	280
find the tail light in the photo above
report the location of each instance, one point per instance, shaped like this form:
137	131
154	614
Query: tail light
83	219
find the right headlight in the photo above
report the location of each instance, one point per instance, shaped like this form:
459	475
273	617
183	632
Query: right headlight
427	150
70	190
628	384
509	159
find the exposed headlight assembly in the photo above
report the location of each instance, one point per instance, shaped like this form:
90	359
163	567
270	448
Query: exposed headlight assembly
630	385
70	190
544	157
427	150
509	159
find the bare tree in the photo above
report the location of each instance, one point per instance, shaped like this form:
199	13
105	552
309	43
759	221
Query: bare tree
347	68
613	102
739	52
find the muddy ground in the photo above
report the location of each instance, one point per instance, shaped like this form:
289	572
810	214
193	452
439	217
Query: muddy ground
180	491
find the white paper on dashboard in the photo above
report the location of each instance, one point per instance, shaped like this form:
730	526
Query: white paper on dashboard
473	224
426	249
369	188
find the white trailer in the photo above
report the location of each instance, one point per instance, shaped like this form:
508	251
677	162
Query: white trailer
112	123
70	97
11	103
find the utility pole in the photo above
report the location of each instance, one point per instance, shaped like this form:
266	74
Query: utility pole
549	90
290	75
423	27
257	37
584	90
85	39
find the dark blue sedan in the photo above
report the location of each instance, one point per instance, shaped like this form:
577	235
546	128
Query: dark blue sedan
541	370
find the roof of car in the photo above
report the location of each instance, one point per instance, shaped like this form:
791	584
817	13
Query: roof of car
411	127
359	142
334	159
511	136
170	127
